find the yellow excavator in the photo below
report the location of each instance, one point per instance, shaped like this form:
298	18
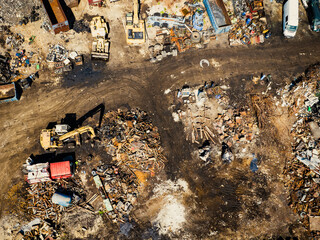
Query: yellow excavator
54	138
135	27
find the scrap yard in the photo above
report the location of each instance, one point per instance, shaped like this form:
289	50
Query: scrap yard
159	119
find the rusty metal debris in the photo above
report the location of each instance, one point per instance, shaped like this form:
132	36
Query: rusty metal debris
249	23
37	229
302	171
39	198
132	141
119	190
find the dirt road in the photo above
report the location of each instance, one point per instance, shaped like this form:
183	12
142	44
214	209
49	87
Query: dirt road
143	85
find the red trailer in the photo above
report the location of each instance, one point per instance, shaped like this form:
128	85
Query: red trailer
97	3
60	170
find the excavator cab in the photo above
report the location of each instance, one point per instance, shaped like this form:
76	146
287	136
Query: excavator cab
135	27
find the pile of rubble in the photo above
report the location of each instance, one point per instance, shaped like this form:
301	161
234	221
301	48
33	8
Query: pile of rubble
57	53
209	121
13	11
32	17
25	59
60	59
15	40
132	141
37	229
40	197
235	127
250	26
303	185
5	72
303	171
173	33
121	189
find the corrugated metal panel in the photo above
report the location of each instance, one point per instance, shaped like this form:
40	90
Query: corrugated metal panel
60	170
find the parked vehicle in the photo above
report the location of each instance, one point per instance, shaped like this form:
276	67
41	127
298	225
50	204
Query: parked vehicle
55	138
315	18
135	27
100	43
290	18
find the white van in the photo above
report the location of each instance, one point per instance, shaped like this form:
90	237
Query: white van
290	18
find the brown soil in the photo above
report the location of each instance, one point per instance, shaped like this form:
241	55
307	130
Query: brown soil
238	205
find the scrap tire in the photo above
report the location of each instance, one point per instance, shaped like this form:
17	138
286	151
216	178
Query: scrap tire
156	24
156	14
165	15
165	25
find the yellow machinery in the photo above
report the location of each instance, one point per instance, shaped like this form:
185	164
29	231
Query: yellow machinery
50	138
135	27
100	44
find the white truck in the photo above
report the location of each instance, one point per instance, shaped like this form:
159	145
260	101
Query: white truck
290	18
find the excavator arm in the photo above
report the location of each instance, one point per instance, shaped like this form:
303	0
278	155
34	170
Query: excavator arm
77	131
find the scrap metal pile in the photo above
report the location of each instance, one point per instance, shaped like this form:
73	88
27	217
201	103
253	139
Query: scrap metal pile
61	60
207	117
179	33
303	170
250	26
37	229
39	198
121	185
132	141
5	72
18	11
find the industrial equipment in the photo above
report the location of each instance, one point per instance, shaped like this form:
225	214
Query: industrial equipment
50	138
56	15
100	44
166	21
135	27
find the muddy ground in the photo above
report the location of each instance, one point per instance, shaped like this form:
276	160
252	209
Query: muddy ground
228	203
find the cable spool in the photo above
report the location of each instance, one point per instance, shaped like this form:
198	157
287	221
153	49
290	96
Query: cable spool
195	37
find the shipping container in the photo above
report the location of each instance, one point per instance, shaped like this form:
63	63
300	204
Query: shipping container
8	93
56	15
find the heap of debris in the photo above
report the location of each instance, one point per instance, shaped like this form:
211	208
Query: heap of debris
57	53
5	72
81	26
14	11
40	197
37	229
15	40
303	171
120	185
250	25
132	141
32	17
209	121
61	60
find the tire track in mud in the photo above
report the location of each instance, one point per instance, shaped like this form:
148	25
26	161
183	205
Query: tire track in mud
144	87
